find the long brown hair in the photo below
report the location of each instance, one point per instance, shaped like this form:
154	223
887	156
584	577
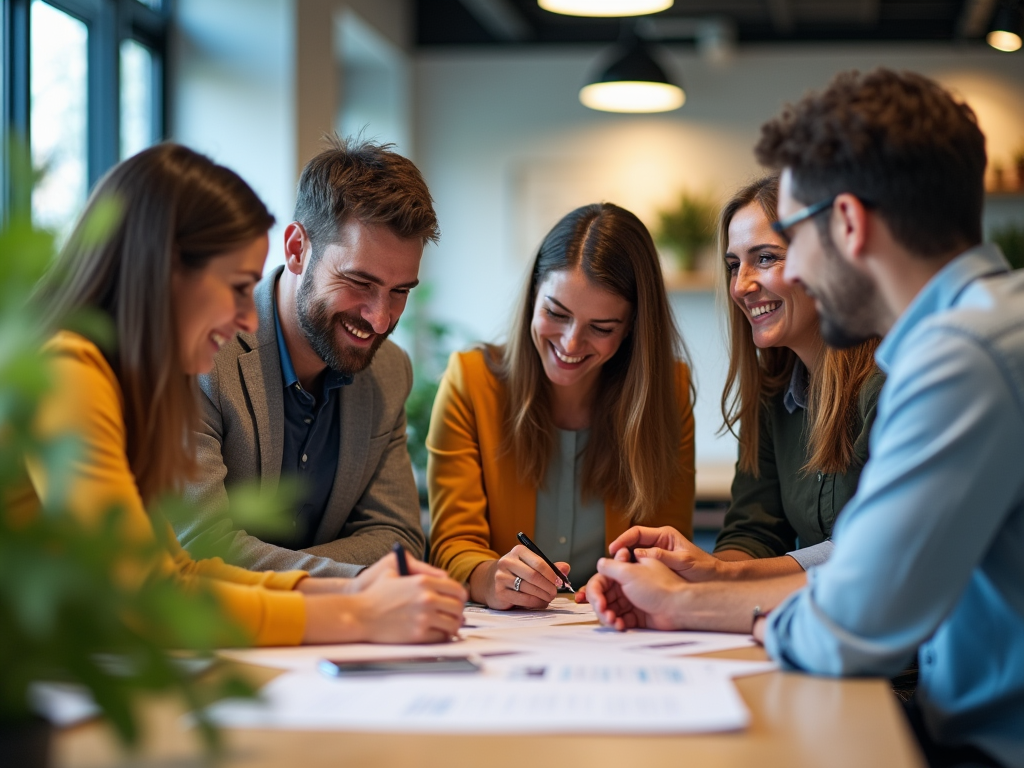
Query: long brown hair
176	208
757	375
636	424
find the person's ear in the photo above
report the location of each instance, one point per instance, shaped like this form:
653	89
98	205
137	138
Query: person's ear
296	247
849	227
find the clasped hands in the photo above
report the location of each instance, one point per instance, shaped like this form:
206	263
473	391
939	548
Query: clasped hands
646	593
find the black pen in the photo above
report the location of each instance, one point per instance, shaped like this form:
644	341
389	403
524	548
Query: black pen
525	541
403	564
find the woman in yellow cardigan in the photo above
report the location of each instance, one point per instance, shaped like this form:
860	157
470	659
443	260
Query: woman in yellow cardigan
577	428
175	277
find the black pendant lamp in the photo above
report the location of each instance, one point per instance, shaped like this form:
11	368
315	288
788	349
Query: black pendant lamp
1007	27
632	82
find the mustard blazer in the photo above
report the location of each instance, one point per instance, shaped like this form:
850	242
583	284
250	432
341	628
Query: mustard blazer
477	503
86	401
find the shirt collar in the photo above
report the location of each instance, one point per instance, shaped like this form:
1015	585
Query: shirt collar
332	381
796	394
287	369
941	293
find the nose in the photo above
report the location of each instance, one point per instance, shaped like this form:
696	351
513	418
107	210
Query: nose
745	282
377	313
571	338
789	271
246	319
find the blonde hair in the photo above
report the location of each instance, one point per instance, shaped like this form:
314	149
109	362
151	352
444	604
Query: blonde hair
757	375
636	425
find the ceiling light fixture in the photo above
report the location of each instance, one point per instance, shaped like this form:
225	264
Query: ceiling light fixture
632	82
1007	28
605	8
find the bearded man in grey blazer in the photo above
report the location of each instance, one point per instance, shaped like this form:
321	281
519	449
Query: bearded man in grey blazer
317	392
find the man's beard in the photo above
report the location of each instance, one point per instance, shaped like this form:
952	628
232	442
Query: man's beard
847	301
321	329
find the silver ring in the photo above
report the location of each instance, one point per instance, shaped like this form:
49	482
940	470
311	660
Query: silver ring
518	581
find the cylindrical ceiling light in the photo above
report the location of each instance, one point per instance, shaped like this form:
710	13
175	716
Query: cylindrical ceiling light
1007	28
633	82
605	8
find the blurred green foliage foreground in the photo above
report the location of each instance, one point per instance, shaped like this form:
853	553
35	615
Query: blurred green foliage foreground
66	614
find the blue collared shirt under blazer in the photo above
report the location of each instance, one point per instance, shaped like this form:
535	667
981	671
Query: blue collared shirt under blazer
930	551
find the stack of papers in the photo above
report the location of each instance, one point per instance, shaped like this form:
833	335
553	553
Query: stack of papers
541	672
531	695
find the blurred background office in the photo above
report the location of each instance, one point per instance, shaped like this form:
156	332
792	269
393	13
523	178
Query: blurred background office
484	95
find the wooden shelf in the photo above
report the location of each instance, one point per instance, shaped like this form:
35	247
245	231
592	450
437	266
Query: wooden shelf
686	282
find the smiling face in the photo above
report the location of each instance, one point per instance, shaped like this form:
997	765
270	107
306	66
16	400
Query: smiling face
780	314
846	300
213	303
577	326
351	299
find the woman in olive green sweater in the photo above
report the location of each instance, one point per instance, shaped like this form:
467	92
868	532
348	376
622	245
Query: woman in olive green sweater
803	413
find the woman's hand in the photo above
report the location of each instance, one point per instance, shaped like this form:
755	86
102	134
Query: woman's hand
493	583
670	547
420	608
388	564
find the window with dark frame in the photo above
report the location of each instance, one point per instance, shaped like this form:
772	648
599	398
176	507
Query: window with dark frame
84	84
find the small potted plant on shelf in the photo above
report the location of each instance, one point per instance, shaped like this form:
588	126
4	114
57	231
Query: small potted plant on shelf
687	229
67	612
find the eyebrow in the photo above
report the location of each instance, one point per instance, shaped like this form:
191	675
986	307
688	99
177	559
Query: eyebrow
376	280
256	276
553	300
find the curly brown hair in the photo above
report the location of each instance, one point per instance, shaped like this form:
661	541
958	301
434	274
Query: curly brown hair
898	141
367	181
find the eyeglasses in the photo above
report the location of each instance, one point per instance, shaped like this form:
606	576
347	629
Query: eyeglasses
783	226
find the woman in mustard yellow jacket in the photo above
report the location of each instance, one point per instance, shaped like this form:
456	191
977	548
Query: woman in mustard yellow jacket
577	428
175	278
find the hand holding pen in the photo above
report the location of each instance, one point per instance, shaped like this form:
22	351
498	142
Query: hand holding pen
520	579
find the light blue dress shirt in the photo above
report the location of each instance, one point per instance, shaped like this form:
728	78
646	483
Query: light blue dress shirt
930	551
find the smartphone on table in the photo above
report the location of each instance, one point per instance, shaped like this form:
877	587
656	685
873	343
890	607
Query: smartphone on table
410	665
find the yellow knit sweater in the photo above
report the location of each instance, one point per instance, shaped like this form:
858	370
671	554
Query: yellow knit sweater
87	402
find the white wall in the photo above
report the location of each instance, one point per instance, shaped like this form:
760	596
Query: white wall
233	67
256	83
491	124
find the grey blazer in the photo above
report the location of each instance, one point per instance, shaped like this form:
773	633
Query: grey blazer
373	502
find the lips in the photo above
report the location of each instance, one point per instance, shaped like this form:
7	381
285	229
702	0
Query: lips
567	360
359	334
761	310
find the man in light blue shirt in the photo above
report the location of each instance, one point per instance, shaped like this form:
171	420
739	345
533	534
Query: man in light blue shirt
881	198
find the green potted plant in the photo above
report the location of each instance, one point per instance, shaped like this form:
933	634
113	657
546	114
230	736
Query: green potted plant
687	229
1010	240
430	341
67	614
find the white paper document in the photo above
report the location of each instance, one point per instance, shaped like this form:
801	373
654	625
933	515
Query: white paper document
590	636
305	658
560	611
578	696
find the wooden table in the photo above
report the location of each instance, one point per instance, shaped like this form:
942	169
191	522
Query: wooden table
797	720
